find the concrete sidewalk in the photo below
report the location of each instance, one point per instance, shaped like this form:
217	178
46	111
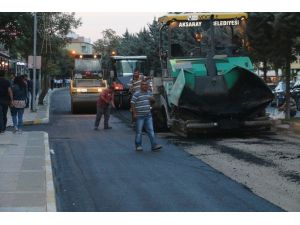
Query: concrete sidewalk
26	182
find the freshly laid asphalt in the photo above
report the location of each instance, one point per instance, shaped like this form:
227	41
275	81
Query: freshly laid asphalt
26	181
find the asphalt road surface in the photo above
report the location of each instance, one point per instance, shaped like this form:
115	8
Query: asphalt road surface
100	171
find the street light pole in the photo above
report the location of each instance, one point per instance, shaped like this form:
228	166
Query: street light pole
34	63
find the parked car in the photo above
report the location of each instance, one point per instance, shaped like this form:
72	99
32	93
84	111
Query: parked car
279	93
295	93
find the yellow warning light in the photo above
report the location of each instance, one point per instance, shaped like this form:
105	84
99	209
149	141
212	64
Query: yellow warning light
198	37
173	24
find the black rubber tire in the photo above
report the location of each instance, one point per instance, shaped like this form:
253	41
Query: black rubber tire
74	109
159	120
298	104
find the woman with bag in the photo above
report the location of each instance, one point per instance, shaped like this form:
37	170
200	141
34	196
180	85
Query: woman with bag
19	96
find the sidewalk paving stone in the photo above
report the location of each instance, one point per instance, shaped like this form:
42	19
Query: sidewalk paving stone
26	181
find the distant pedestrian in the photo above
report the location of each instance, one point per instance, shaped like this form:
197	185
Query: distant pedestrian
104	104
293	107
18	105
6	97
64	82
136	80
141	109
52	83
27	97
30	91
12	78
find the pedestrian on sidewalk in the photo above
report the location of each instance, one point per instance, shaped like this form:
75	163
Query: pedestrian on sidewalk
26	84
17	109
141	108
29	86
52	83
104	104
12	78
6	97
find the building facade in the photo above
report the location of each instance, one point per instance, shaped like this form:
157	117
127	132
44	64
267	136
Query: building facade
79	45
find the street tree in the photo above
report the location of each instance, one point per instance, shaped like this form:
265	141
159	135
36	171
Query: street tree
127	44
287	45
145	42
274	38
153	47
106	45
16	33
53	29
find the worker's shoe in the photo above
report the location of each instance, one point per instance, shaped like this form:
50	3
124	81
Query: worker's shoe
139	148
95	128
106	128
156	148
15	130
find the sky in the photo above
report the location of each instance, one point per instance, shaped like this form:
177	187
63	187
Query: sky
93	23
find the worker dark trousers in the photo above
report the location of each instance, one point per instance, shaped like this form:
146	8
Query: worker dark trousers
102	111
3	116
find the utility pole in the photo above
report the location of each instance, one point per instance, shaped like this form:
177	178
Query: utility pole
34	63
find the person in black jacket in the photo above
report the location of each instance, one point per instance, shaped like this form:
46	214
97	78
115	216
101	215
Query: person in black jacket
29	87
5	100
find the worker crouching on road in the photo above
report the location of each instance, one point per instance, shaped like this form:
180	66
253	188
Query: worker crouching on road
141	109
104	104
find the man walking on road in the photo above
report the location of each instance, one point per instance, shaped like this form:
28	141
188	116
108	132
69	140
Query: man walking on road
104	104
135	85
141	109
6	97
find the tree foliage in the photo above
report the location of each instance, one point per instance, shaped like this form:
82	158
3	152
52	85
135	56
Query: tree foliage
106	45
260	31
16	33
145	42
14	26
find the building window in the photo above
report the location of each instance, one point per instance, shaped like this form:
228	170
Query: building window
84	49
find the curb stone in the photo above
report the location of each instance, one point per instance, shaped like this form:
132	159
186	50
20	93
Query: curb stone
51	203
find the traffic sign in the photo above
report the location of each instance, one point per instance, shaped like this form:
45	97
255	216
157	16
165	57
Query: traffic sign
38	62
